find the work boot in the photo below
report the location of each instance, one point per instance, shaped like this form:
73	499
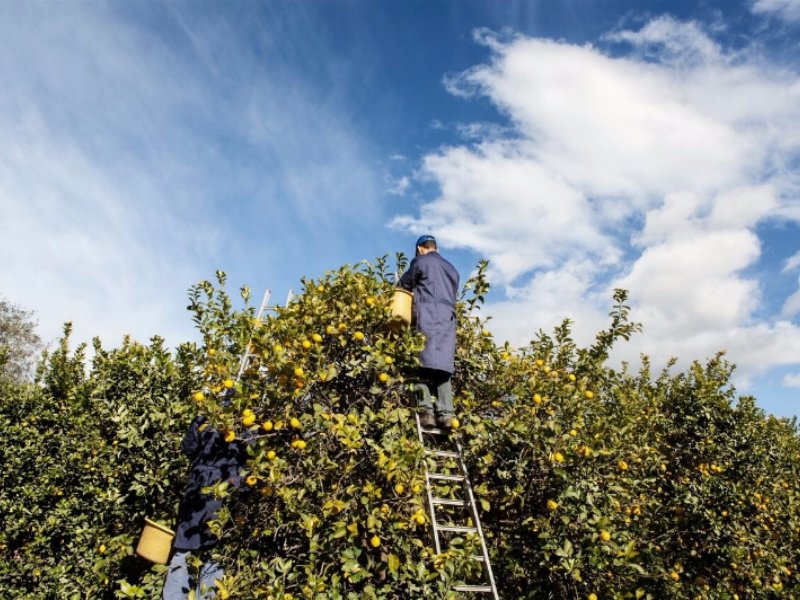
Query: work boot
426	419
445	421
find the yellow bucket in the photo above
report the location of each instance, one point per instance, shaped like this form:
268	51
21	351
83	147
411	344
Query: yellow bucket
155	543
401	305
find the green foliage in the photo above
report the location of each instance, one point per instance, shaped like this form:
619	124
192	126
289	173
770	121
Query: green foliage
84	460
592	481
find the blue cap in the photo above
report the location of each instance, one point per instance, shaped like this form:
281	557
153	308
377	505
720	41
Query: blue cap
425	238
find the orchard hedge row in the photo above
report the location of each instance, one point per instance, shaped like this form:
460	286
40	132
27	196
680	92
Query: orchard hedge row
593	482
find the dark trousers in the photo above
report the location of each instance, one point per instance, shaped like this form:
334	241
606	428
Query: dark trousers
433	383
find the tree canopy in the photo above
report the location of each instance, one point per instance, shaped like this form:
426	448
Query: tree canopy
593	481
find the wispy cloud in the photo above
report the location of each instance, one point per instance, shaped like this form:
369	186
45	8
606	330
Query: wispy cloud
792	263
140	154
792	380
788	10
648	169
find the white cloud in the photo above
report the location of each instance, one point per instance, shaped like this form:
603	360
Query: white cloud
791	306
398	187
792	263
498	201
788	10
648	171
792	380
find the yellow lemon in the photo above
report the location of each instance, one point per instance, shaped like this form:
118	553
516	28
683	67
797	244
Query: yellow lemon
102	548
299	444
294	422
267	425
674	576
383	377
211	352
271	455
455	423
248	420
399	488
388	360
558	457
572	377
316	337
589	394
539	362
298	372
375	541
370	301
198	396
358	335
228	383
623	466
251	480
342	327
537	398
419	519
306	344
230	436
552	504
591	596
330	330
604	535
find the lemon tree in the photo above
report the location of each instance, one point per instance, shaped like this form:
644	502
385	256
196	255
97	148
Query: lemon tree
621	484
593	482
333	500
85	458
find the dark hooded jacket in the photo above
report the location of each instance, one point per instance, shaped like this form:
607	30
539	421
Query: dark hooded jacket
213	460
434	283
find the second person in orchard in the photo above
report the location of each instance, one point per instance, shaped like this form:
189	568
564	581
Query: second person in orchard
434	283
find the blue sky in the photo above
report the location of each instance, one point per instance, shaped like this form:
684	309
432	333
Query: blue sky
579	145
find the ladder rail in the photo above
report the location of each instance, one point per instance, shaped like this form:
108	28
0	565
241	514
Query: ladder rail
246	355
429	492
487	565
263	308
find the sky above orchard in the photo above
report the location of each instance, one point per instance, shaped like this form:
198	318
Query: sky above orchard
579	145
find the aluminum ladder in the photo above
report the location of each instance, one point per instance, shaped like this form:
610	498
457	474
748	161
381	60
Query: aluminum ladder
467	501
244	362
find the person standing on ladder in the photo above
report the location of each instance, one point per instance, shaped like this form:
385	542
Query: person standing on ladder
434	283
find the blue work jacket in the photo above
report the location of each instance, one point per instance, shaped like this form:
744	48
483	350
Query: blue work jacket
434	283
213	460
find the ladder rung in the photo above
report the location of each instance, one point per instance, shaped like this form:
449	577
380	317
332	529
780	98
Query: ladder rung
435	431
477	557
449	502
473	588
442	453
444	477
457	528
